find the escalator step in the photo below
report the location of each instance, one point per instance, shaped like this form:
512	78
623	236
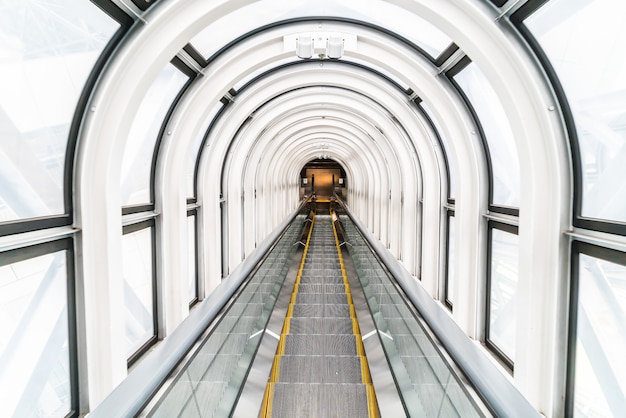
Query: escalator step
312	345
321	326
320	369
321	310
316	400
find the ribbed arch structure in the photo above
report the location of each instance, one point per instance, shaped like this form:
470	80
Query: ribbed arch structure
250	117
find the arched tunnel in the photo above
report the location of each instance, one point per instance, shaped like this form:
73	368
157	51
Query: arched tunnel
168	166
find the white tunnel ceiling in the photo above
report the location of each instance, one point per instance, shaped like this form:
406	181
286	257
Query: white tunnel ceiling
373	87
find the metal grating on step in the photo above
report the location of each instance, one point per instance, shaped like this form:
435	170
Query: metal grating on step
319	368
317	400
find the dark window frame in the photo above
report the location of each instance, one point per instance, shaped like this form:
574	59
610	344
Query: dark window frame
450	74
67	218
511	229
585	222
447	302
148	206
32	251
129	229
194	213
602	253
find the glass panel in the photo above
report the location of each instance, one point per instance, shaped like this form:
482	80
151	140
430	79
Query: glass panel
34	343
210	382
586	45
446	148
503	290
195	150
138	289
450	262
428	386
192	280
498	134
600	382
408	25
143	136
47	49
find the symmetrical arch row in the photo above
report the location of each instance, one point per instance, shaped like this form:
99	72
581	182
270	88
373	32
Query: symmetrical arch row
392	111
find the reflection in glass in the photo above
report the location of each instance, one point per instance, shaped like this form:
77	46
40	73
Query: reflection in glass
209	384
600	373
503	291
450	278
143	135
192	278
34	344
498	134
447	148
426	382
47	50
138	289
591	64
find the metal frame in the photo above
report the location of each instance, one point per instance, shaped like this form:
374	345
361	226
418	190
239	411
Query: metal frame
604	225
598	252
450	74
446	300
511	229
194	212
129	229
33	224
191	74
66	244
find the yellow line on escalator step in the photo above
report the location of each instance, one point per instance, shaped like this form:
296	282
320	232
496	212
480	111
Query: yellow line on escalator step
372	405
266	409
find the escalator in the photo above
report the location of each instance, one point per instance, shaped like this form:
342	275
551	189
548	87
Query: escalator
313	334
320	368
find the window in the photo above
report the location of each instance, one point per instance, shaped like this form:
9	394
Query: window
500	145
37	331
144	134
139	287
64	37
450	278
194	155
585	43
192	250
502	291
597	371
446	150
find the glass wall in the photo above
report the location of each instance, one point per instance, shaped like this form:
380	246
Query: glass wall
597	373
144	134
586	45
501	150
447	146
194	155
47	50
192	250
37	335
502	290
450	277
139	287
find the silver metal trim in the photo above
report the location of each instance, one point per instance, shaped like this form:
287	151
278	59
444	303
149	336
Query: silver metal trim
500	217
15	241
135	218
614	242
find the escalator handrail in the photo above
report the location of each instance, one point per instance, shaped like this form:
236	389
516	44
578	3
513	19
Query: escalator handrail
501	396
136	390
